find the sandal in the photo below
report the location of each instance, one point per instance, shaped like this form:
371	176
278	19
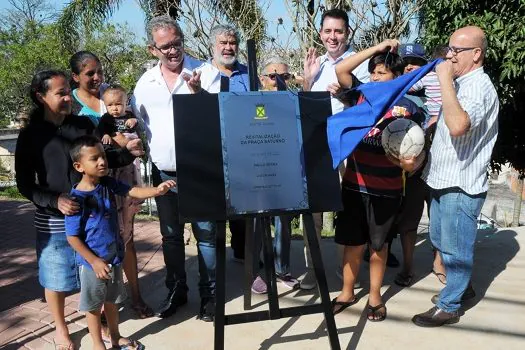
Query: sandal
131	345
142	310
374	315
69	346
342	304
440	276
403	280
106	338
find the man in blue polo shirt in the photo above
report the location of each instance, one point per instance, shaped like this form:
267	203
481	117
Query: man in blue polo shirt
224	42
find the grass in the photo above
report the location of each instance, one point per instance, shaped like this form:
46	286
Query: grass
11	193
297	232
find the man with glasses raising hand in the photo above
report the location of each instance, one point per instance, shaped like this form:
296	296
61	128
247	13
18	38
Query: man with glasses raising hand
456	173
176	73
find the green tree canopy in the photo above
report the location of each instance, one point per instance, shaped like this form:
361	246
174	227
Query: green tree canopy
35	47
502	22
22	53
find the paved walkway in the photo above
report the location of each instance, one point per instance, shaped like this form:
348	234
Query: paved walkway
495	320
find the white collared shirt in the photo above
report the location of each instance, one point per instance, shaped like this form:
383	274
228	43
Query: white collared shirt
153	103
463	161
327	76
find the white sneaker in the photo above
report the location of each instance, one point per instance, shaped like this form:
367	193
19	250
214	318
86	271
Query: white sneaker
309	281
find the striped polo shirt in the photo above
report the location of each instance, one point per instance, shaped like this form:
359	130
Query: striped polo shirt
463	161
433	100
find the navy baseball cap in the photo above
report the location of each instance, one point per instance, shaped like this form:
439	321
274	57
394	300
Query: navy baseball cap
412	50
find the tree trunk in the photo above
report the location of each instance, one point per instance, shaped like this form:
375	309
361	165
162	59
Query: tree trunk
517	201
328	221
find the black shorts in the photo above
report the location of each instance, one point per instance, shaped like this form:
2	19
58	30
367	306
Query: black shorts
366	219
412	205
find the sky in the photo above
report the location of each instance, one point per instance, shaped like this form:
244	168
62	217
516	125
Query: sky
130	12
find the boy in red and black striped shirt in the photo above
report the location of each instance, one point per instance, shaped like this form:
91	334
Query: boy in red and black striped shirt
372	184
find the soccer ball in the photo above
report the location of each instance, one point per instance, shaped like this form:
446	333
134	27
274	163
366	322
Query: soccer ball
403	138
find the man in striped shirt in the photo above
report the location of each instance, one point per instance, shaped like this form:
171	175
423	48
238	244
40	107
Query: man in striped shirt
457	168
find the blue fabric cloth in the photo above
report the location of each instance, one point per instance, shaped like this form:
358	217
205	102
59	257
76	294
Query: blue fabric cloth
346	129
96	223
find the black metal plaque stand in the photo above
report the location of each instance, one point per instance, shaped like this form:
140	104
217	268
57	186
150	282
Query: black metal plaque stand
262	226
201	188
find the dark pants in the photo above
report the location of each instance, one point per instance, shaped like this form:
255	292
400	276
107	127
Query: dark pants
238	231
173	241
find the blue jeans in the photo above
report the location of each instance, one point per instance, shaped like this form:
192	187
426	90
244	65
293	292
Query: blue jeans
453	228
172	231
281	245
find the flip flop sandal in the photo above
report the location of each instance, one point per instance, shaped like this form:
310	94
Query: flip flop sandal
69	346
132	345
342	304
373	313
440	276
403	280
106	338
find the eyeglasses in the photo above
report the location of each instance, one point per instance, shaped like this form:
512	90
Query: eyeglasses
177	46
283	76
456	50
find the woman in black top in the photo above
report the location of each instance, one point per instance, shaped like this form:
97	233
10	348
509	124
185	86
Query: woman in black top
44	175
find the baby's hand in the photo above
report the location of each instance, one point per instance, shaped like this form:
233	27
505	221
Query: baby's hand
165	186
131	122
106	139
101	269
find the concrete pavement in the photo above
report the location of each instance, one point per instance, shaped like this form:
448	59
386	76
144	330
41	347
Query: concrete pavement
496	318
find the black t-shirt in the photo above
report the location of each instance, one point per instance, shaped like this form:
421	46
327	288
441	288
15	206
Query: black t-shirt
110	125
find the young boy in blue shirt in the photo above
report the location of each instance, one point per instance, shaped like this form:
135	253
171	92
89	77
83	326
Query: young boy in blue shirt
93	233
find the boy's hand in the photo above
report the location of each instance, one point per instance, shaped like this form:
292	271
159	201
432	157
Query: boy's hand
106	140
408	164
390	45
101	269
165	186
67	204
334	89
131	122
